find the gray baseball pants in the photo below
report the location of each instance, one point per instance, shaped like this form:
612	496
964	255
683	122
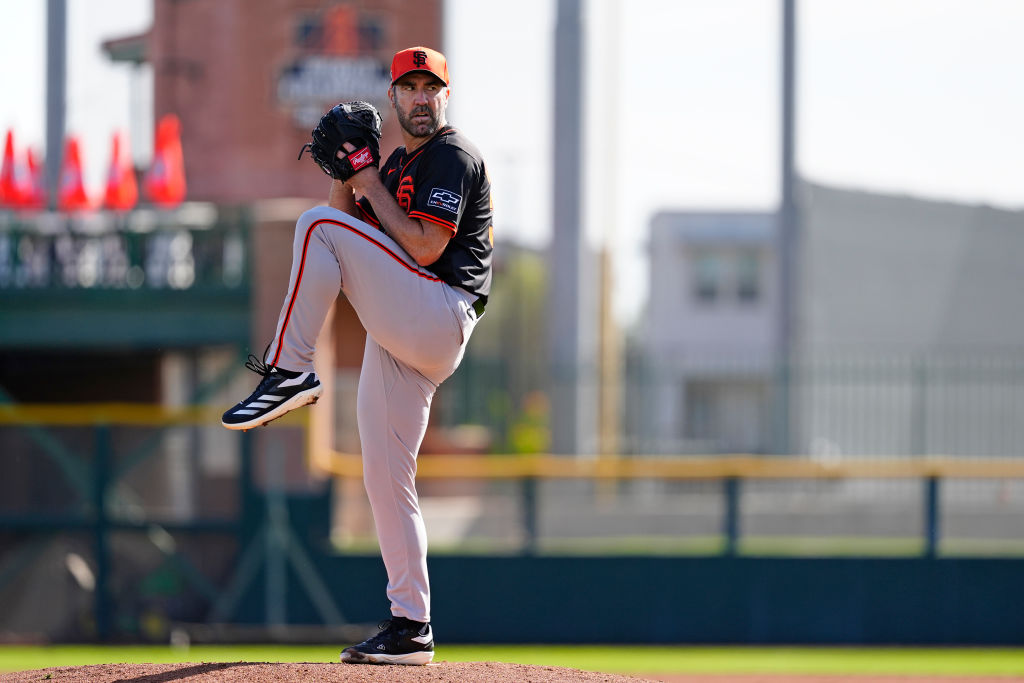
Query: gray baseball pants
416	332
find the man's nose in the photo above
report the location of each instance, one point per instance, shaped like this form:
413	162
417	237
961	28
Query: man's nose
420	96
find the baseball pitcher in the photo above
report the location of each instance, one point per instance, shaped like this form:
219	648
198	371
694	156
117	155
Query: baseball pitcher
410	246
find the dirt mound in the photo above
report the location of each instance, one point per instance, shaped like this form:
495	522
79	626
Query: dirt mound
440	672
261	672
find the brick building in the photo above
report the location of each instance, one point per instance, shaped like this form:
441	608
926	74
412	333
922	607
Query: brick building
250	78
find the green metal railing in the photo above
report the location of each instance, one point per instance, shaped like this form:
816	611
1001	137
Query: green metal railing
93	473
732	471
65	282
267	544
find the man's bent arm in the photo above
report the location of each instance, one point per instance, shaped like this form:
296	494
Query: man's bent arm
342	198
422	240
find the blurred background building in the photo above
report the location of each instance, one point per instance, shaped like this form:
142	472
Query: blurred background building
906	341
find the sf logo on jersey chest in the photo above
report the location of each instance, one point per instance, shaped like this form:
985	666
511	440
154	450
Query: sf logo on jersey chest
405	192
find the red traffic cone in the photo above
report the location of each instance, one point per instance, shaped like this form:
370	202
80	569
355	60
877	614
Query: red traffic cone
71	194
11	181
165	180
122	189
35	189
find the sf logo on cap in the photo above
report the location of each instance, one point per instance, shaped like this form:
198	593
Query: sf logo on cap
419	58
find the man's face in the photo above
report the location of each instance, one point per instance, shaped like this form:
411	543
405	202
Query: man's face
419	100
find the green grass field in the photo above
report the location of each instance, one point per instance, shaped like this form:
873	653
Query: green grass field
651	660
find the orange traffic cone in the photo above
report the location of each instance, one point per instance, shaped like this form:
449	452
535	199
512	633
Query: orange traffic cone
165	181
11	181
35	188
71	194
122	189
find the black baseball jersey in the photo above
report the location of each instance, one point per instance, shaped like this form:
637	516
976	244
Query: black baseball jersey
444	181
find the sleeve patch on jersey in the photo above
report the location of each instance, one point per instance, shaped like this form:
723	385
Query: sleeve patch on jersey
445	199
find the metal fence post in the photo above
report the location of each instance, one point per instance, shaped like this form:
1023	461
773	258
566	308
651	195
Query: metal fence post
248	509
731	523
931	516
101	530
919	409
529	484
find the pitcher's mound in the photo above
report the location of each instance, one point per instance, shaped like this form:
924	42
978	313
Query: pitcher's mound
260	672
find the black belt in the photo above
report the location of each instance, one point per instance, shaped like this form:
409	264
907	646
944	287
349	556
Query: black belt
478	307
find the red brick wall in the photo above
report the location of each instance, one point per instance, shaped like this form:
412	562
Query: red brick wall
217	64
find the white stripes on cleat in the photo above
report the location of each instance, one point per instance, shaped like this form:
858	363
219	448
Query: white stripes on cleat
266	407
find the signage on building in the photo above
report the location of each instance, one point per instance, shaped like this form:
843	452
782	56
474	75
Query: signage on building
313	84
334	65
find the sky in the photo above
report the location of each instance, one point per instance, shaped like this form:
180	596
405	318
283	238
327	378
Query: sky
916	97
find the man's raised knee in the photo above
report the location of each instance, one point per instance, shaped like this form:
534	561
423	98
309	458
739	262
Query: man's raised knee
319	213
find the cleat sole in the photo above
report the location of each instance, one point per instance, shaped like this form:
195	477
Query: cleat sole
411	659
304	398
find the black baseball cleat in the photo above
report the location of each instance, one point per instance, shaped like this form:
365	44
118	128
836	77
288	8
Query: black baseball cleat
281	391
400	641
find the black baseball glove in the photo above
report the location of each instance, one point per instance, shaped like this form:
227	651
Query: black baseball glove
355	122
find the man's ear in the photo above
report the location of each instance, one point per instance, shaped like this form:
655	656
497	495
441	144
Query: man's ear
391	96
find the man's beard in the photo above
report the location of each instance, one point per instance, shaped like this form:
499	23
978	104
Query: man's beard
419	130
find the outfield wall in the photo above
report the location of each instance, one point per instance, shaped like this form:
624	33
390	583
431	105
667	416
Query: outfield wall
699	600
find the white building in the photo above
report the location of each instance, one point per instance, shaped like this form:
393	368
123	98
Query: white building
909	329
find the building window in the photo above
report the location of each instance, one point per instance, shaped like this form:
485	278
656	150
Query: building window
748	276
707	271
